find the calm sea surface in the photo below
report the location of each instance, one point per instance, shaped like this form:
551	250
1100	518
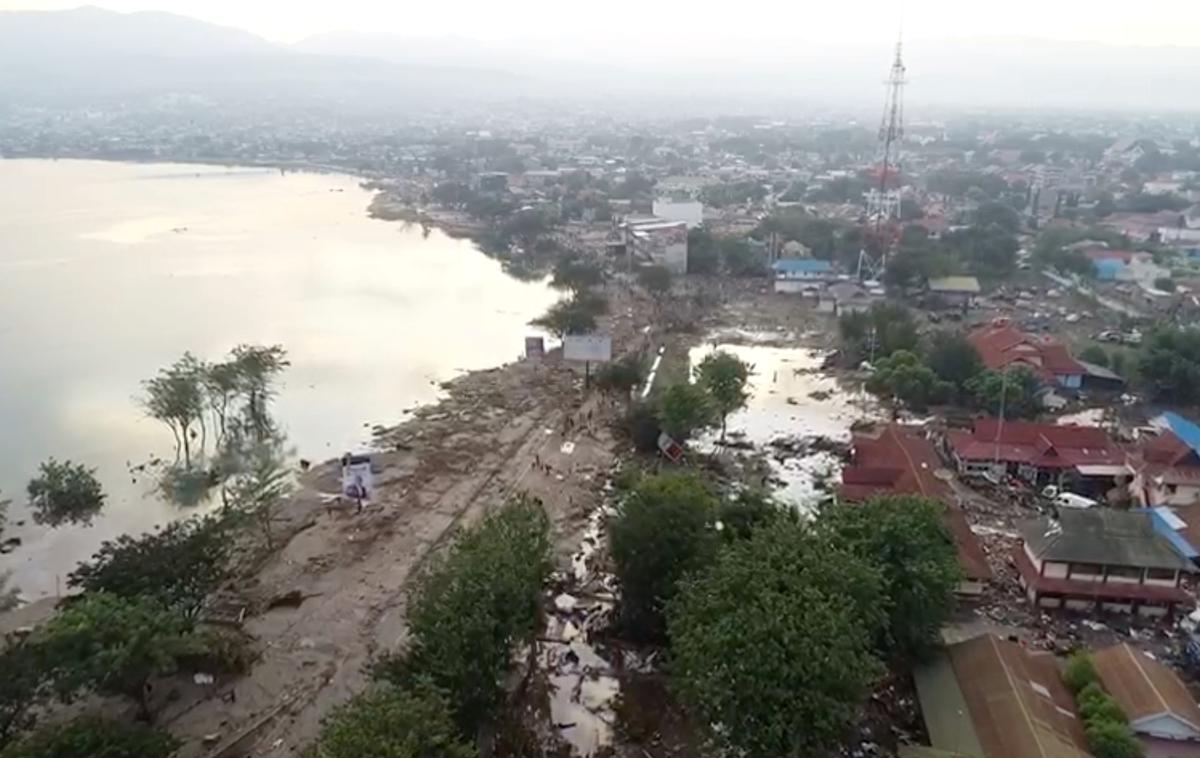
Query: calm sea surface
111	271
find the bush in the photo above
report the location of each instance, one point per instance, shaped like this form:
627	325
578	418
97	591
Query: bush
641	425
391	723
91	737
1079	673
1094	354
661	531
471	606
1109	739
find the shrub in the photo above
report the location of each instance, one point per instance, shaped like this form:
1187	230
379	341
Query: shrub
1079	673
94	738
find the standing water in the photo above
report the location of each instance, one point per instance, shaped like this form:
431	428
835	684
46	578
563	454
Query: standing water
109	272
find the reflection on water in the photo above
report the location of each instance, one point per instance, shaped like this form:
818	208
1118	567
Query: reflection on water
791	399
108	272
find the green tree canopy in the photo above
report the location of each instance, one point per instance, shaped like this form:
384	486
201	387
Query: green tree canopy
655	279
471	606
93	737
683	409
575	273
953	358
177	565
724	376
113	645
387	722
903	376
887	326
1079	672
663	529
1168	365
1013	391
65	493
704	254
771	645
575	315
1094	354
741	258
621	376
906	537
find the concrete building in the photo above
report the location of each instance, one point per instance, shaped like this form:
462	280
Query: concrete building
801	274
1168	466
657	241
1101	559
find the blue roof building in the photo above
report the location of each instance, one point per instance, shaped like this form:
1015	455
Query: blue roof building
802	268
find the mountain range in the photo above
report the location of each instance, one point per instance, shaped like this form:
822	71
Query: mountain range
90	55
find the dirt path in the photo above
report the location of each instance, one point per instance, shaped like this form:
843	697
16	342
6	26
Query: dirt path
446	467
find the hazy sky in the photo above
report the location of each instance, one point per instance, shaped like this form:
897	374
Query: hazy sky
1149	22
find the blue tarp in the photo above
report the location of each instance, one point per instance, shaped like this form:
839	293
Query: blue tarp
1161	517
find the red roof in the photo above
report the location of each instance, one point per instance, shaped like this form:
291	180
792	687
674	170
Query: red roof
1000	344
1116	592
899	460
1040	445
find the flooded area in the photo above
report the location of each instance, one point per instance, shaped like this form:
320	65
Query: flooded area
111	271
798	414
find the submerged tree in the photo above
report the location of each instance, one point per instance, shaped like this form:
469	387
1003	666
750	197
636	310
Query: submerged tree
175	398
65	493
257	368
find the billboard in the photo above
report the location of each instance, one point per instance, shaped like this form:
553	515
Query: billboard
358	481
535	347
593	348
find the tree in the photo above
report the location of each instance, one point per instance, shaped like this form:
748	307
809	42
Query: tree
904	377
887	327
387	722
22	688
771	645
258	366
113	645
94	737
621	376
704	256
575	315
65	493
178	565
471	607
906	537
655	279
575	273
261	485
1164	283
724	376
1012	392
1168	365
1094	354
740	516
989	252
998	214
661	531
684	408
741	259
175	397
954	359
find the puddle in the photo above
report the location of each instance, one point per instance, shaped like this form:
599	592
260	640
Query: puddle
792	404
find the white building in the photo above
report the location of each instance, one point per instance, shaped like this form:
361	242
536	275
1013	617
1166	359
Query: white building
691	212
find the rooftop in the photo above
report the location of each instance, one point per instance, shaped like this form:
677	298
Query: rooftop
1143	687
1102	536
956	284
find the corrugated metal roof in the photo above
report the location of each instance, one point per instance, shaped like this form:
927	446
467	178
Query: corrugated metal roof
1144	687
1103	536
802	265
961	284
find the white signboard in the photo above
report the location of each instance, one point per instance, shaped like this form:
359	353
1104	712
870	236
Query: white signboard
357	480
593	348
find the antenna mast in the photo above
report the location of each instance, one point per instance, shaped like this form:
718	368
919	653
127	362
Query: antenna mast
882	228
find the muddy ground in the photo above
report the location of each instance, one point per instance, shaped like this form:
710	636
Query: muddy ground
445	467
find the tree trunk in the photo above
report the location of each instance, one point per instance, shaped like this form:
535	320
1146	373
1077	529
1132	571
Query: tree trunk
187	448
723	420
